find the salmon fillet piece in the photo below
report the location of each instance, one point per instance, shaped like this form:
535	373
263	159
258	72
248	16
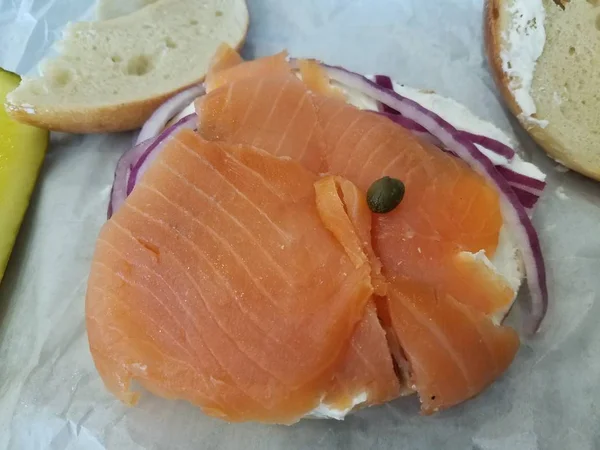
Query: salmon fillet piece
448	213
454	351
224	58
367	369
218	283
448	210
273	113
226	67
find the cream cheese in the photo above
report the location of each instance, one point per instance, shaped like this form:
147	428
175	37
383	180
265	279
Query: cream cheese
506	262
524	43
463	119
325	412
560	193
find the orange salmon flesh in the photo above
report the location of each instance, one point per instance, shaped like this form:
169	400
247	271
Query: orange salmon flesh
246	274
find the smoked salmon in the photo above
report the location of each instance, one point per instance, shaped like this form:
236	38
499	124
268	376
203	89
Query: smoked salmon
246	274
199	280
449	212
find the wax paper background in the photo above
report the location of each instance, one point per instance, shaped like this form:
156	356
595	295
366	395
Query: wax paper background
50	394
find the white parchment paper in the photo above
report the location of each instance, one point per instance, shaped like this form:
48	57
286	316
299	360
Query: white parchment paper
50	394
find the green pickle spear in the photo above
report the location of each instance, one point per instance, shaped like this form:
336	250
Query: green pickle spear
22	150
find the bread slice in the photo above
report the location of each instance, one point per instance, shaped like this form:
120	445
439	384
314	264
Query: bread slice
111	75
555	93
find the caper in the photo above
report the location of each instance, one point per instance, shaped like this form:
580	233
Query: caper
385	194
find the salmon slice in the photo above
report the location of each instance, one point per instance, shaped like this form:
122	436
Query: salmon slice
454	351
366	372
344	211
332	211
448	210
226	68
448	214
274	113
217	282
317	80
224	58
357	209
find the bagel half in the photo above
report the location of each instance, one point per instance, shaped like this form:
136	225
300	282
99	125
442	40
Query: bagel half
544	58
112	75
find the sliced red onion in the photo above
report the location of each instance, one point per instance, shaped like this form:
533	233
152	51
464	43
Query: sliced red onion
169	109
134	163
403	121
515	214
119	193
527	189
386	82
149	155
527	199
485	141
414	127
491	144
518	179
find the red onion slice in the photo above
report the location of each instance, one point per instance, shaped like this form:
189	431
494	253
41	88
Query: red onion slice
134	163
527	199
119	193
144	161
414	127
491	144
518	179
386	82
403	121
169	109
515	214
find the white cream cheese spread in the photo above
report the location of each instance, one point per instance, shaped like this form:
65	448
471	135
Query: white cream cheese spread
524	43
326	412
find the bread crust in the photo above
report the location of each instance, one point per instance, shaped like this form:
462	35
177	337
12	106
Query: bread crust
494	19
102	119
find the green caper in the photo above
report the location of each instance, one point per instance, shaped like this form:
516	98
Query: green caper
385	194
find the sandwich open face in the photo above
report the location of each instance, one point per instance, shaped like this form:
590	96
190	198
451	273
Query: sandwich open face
544	57
244	270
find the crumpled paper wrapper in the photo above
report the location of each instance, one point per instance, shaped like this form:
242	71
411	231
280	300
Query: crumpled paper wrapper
50	394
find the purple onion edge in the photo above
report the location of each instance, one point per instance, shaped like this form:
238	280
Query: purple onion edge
134	169
494	145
